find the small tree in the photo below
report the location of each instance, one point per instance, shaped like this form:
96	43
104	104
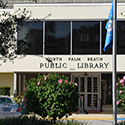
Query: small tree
51	95
121	93
9	26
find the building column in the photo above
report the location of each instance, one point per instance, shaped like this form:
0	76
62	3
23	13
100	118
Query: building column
99	93
15	85
19	85
24	78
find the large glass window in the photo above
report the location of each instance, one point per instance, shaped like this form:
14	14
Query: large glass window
86	37
30	38
121	37
57	37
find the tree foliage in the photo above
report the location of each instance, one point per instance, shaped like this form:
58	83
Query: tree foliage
9	26
3	4
51	95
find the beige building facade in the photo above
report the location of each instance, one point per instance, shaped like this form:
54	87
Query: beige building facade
89	66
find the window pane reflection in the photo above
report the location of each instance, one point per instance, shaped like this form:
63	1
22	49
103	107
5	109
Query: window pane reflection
89	101
30	37
57	38
95	84
86	37
95	97
89	84
82	84
121	37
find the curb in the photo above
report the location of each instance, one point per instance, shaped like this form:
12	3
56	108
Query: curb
85	118
120	118
90	118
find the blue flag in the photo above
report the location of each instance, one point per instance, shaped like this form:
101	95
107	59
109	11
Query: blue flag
109	28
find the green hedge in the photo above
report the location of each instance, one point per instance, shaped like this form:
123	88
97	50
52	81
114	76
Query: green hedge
5	90
34	121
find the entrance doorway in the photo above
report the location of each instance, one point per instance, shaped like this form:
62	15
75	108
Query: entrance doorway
89	88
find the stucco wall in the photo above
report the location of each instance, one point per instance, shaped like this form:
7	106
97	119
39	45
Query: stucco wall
7	79
71	11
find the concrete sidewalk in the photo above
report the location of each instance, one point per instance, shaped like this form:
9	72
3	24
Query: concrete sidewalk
97	119
106	114
98	116
95	116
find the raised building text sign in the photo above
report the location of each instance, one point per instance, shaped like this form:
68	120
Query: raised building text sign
61	63
75	63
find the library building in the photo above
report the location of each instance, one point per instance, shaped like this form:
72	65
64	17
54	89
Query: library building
68	39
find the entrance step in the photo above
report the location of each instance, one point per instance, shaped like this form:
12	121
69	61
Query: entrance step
108	109
93	111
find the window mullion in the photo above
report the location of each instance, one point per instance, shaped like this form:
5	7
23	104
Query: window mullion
100	37
71	39
43	37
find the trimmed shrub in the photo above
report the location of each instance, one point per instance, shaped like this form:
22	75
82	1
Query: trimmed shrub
51	95
5	90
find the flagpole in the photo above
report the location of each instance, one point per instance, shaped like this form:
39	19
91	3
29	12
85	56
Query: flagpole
114	72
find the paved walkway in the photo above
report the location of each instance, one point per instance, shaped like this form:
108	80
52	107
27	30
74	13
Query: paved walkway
104	118
107	114
95	119
95	116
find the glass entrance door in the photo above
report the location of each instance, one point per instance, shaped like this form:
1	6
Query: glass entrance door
92	92
89	91
81	89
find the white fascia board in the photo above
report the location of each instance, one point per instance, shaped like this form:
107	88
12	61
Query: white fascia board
68	4
1	10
